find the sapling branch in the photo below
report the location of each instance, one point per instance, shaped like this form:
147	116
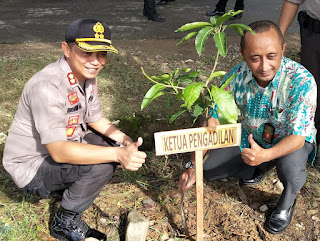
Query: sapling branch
158	83
214	68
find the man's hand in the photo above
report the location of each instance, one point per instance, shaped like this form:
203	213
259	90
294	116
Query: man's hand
255	155
130	157
127	141
183	186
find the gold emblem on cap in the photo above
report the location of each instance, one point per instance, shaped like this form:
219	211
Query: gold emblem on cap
99	30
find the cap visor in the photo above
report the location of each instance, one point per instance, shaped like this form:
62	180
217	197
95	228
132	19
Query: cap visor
96	47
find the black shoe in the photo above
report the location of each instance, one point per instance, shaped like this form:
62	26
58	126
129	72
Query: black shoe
257	179
157	18
236	16
279	220
163	2
258	176
68	226
215	13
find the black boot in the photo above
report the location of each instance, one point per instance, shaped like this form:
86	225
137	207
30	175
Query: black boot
68	226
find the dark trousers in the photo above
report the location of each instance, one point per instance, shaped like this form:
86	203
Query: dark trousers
80	184
221	5
310	56
149	8
291	169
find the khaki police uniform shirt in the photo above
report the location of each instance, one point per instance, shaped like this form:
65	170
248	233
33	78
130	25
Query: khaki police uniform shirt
313	7
53	107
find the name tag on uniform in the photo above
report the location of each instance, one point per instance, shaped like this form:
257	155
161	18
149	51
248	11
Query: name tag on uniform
268	133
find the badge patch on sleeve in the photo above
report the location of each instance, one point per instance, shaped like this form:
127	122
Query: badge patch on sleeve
73	120
70	130
73	98
72	79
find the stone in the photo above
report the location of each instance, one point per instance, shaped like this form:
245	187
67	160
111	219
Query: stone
137	227
263	208
279	185
3	138
148	204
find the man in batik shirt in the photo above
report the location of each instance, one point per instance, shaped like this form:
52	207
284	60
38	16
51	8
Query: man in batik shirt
277	100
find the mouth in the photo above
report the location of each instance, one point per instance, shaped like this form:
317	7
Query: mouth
264	74
92	70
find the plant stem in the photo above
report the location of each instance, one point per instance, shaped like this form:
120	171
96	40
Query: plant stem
214	67
158	83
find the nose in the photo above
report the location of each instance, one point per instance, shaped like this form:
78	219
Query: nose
264	64
94	59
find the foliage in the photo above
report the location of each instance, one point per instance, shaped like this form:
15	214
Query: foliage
198	95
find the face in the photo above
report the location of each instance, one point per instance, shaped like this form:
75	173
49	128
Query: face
263	53
85	65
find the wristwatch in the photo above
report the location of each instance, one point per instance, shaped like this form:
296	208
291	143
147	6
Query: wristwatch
189	165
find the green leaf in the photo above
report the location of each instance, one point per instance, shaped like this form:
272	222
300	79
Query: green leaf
188	77
174	73
176	115
217	74
236	12
224	17
202	38
164	77
187	70
191	93
226	104
154	92
226	83
180	96
222	120
213	20
221	42
194	74
194	25
240	27
198	110
188	36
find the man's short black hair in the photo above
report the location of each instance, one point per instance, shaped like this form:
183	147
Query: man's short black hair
261	27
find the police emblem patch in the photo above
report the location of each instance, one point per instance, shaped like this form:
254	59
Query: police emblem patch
73	98
73	120
70	130
99	30
72	79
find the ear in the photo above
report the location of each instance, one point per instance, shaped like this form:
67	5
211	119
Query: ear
241	52
66	49
284	49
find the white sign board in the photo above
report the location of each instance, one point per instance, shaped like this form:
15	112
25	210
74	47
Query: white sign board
196	139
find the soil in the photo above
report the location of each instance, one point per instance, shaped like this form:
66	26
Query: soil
231	212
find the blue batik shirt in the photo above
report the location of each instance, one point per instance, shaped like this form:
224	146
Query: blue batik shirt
288	103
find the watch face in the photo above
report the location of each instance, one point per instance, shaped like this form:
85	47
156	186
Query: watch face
189	165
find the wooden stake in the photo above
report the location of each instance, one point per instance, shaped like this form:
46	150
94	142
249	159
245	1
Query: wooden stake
199	188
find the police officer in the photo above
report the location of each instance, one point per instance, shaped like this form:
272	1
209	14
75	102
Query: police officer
49	148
